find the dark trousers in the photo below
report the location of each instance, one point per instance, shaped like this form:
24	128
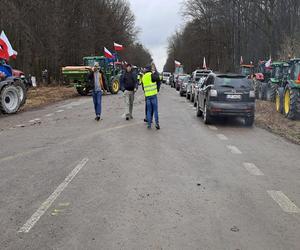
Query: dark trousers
152	109
97	99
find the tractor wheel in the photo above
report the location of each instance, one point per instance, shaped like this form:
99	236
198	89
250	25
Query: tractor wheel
262	91
22	91
9	99
271	92
114	86
279	99
82	91
291	102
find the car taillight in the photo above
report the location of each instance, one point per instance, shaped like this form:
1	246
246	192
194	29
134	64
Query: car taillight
252	94
213	93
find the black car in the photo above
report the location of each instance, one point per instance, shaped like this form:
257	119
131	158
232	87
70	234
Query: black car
226	95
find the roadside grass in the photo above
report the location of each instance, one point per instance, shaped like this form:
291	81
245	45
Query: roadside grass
268	118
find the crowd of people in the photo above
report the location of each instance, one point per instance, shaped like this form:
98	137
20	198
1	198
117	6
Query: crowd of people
149	79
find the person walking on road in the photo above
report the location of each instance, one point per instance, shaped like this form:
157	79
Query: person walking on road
151	86
129	85
97	81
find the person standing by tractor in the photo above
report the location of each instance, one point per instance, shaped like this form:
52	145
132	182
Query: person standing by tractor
151	86
129	85
96	80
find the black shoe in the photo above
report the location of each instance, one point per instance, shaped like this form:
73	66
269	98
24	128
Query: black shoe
127	118
98	118
157	126
145	120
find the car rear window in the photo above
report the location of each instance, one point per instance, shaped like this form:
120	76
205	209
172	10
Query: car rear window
232	81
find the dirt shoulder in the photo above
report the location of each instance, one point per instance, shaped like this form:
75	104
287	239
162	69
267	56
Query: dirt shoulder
41	96
268	118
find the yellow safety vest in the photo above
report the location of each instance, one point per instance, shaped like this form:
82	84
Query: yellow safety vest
150	88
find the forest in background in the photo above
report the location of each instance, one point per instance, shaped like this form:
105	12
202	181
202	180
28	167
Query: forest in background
55	33
224	30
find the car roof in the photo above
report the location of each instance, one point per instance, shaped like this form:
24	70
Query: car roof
227	75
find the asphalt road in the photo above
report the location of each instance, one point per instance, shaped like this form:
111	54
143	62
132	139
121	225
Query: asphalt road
68	182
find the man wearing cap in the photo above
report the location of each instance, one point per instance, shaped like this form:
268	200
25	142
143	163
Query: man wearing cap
129	85
151	86
97	82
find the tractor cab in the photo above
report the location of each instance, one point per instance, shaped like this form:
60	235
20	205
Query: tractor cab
294	73
247	69
264	70
279	71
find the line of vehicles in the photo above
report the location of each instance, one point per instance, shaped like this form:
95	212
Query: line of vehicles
233	95
218	95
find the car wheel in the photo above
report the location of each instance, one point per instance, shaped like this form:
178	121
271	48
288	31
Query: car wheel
198	111
249	121
206	115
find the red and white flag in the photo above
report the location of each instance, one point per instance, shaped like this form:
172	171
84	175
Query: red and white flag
118	47
177	64
3	51
241	61
10	50
268	63
204	63
108	54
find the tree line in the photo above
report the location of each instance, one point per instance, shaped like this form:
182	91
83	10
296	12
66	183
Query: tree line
55	33
224	30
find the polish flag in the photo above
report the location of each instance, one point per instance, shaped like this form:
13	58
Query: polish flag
268	63
10	50
3	50
204	63
177	64
118	47
108	54
241	61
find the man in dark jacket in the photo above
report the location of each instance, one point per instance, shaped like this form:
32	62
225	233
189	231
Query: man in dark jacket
129	85
97	81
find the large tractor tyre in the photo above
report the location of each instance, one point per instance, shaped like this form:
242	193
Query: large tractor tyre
291	103
114	86
271	91
198	111
9	99
206	115
22	91
263	91
249	121
256	88
279	100
82	91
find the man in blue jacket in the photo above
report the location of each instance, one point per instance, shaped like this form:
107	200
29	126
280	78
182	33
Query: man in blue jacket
129	85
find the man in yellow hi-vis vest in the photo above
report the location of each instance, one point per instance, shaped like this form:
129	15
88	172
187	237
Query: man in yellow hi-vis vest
151	85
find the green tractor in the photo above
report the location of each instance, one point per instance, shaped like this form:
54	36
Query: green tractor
279	74
288	95
78	75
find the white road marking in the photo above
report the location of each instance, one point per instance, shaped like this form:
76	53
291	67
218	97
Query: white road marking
59	111
283	201
45	205
31	121
212	127
234	149
222	137
49	115
252	169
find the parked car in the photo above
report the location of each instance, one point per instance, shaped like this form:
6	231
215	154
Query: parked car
226	95
179	81
197	87
183	85
166	77
196	75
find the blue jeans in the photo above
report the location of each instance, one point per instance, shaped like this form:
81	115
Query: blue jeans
97	98
152	108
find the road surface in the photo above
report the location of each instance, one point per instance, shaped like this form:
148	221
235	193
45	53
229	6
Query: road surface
68	182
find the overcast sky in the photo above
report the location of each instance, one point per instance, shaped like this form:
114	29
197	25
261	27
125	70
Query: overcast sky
157	20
